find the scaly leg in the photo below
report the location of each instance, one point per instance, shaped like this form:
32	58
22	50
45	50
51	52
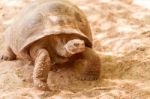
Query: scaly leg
88	65
41	69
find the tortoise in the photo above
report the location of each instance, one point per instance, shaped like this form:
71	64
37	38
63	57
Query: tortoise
50	32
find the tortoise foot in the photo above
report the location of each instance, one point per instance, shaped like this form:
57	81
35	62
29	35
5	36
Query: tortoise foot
5	57
40	85
35	92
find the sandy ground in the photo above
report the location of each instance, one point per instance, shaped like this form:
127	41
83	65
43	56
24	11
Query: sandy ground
121	33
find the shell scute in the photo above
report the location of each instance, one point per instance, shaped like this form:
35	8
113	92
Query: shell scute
50	17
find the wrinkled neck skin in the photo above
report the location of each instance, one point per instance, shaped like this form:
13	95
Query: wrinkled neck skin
60	48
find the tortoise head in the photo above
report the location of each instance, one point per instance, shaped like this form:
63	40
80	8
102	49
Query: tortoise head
71	47
75	46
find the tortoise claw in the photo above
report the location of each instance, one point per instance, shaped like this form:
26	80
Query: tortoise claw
5	58
89	76
2	58
39	85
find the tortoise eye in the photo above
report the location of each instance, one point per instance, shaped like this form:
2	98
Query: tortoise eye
76	44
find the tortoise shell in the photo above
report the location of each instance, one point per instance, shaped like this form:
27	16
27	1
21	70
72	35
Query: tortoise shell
45	18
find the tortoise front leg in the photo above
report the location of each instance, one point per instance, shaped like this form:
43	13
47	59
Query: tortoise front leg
41	69
88	65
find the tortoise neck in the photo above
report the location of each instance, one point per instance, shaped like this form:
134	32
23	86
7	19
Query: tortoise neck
60	48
